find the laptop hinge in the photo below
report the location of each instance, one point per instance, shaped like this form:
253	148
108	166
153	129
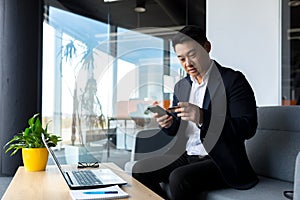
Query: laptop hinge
69	178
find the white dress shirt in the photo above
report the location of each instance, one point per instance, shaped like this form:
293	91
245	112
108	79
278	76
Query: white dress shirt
194	145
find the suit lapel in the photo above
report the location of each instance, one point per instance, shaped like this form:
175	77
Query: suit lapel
185	89
206	100
213	84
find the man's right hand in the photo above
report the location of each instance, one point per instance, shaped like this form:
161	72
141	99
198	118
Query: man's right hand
164	121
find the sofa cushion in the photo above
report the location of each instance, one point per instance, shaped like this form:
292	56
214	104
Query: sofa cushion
273	150
285	118
266	189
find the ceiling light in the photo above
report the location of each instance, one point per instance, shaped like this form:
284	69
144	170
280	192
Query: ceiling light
140	7
107	1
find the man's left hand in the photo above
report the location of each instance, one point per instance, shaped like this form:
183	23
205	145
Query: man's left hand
190	112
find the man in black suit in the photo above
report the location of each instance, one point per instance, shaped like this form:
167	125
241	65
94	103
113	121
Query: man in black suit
216	113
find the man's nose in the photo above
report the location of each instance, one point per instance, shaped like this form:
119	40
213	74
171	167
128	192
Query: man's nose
187	62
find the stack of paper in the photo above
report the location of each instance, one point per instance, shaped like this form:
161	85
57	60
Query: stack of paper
112	192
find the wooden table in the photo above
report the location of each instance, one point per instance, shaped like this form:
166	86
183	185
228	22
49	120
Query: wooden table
50	184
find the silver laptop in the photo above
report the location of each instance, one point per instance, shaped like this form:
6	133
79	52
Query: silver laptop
86	179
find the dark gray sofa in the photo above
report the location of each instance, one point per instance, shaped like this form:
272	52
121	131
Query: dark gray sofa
272	153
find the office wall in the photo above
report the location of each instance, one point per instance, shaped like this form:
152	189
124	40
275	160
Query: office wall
245	35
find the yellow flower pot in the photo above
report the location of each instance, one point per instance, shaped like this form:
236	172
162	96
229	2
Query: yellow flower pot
35	159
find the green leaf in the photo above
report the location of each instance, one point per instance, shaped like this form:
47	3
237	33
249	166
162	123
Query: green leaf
31	120
27	131
31	137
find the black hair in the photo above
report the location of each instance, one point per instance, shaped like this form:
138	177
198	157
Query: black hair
190	32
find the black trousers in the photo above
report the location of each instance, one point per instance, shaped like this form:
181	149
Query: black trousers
188	176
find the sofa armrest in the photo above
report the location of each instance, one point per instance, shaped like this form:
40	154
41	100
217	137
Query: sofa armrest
297	179
128	167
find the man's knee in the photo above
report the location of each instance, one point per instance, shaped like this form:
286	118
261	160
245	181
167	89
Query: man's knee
177	179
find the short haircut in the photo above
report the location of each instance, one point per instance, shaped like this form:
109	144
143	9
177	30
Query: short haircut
190	32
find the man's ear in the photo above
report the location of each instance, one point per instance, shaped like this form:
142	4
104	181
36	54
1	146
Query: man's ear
207	46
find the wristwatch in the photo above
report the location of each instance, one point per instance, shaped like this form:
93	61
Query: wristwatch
199	125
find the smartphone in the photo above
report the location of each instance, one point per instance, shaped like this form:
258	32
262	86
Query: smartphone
157	109
172	109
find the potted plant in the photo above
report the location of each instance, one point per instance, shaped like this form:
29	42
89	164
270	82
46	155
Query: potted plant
34	152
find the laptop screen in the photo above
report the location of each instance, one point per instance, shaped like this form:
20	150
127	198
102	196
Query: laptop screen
55	160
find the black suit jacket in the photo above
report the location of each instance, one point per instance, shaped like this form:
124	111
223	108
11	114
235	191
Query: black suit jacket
229	119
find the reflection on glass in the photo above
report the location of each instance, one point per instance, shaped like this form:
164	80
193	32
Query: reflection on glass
97	84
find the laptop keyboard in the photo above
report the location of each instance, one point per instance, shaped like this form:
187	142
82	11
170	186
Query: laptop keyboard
86	177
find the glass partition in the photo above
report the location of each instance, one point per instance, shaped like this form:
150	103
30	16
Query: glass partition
100	75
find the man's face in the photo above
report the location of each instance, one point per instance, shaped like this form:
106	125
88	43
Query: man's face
193	57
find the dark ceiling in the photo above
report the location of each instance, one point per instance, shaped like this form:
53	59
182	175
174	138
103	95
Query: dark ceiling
159	13
165	16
